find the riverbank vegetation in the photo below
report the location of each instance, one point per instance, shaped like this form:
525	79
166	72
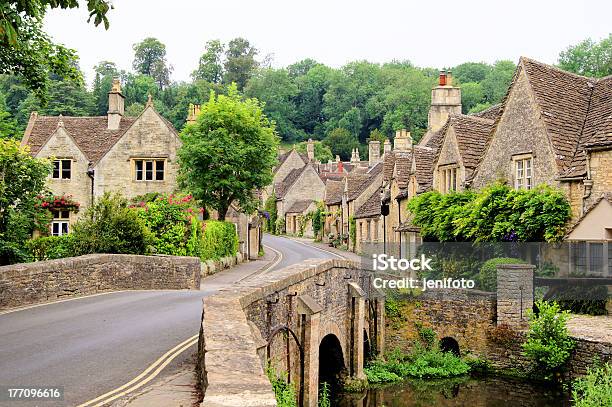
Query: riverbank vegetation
594	389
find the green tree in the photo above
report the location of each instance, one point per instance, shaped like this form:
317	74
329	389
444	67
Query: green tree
228	153
312	87
341	142
26	50
471	72
496	84
471	95
105	71
240	63
277	91
588	58
8	124
322	152
22	178
150	59
210	67
377	135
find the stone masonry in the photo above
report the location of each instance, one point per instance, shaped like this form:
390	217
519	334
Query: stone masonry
264	319
514	294
31	283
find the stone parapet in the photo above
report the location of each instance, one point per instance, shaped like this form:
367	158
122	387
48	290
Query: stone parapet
31	283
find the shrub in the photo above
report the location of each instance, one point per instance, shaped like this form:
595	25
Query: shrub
548	343
503	335
279	226
110	226
488	272
219	239
284	391
52	247
426	335
270	208
377	372
594	389
174	224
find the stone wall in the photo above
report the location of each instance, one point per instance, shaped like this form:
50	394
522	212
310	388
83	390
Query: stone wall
520	130
600	163
31	283
149	137
255	320
514	294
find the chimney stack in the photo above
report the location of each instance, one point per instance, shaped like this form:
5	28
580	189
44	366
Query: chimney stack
116	105
402	141
192	113
310	150
445	100
386	146
355	156
373	152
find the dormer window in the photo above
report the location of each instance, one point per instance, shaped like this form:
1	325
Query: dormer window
149	170
523	172
61	169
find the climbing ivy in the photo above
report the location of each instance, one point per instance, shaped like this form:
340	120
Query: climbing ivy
496	213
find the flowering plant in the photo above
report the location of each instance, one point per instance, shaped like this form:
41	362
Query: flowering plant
56	202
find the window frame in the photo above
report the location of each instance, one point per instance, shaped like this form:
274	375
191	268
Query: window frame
62	166
449	178
522	171
143	168
61	219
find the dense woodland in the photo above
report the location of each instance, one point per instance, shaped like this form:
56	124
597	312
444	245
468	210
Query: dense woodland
343	107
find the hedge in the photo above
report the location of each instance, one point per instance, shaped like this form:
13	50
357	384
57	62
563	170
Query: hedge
219	239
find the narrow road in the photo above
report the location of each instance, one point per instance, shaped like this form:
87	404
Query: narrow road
92	345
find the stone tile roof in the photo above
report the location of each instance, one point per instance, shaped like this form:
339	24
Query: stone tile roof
606	195
598	127
370	208
407	227
424	161
473	135
300	206
282	187
388	164
403	164
358	182
333	192
283	157
90	134
490	113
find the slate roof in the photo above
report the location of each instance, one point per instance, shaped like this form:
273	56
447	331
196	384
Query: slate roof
333	192
300	206
370	208
388	164
90	134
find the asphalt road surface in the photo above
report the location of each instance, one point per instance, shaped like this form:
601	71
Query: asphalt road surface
93	345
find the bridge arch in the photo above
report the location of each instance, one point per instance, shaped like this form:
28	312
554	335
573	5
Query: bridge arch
331	361
449	344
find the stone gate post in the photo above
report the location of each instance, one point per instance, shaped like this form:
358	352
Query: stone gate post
514	294
309	312
357	315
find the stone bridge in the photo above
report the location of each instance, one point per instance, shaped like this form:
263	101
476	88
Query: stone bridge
315	321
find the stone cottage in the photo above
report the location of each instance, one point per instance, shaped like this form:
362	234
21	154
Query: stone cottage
93	155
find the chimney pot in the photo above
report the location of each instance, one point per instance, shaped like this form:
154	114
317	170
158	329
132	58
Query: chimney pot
442	81
449	78
116	105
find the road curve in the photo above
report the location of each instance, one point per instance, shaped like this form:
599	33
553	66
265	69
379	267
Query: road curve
92	345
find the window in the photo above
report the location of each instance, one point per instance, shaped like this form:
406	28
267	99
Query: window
523	173
590	258
149	170
61	169
448	179
60	224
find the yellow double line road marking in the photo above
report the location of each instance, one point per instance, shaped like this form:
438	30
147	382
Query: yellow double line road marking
145	377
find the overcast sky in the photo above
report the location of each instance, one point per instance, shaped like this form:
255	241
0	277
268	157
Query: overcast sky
434	33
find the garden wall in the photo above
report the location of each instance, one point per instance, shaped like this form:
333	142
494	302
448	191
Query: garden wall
31	283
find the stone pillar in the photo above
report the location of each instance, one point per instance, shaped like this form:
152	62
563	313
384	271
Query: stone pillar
309	312
357	319
514	294
379	307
